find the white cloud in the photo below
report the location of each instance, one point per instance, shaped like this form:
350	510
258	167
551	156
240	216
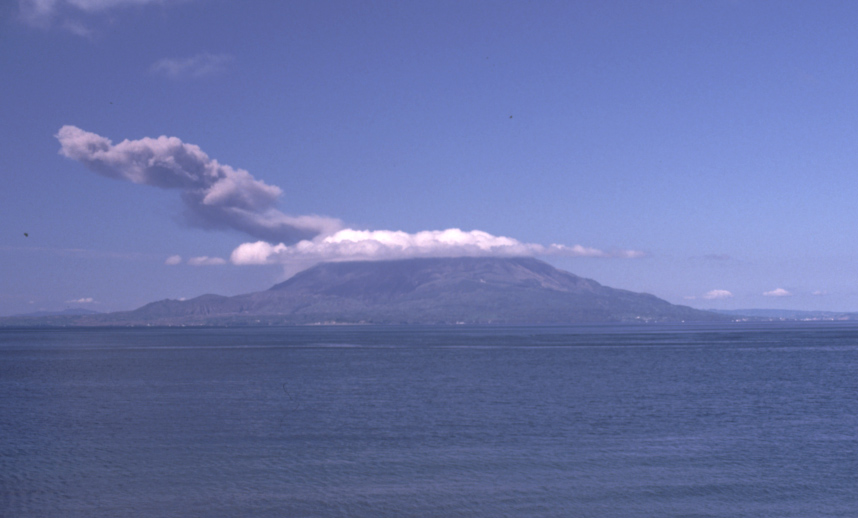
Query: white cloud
173	260
92	6
779	292
717	294
38	12
42	13
77	28
216	196
350	244
196	66
84	300
206	261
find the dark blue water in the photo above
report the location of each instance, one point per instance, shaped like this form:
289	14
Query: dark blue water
731	421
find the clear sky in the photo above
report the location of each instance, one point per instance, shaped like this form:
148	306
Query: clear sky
701	151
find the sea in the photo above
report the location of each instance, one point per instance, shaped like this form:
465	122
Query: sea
602	421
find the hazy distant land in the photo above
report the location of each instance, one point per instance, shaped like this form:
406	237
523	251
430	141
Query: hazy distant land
60	313
787	314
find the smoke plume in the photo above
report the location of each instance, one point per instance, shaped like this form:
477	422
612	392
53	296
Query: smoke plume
216	196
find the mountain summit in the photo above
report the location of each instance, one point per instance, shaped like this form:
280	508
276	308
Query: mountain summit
518	290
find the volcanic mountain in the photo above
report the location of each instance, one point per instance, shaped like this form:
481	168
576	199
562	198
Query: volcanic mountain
519	290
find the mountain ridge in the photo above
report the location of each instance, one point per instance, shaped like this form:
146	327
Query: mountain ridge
474	290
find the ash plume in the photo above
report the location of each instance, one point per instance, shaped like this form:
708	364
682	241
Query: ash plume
215	195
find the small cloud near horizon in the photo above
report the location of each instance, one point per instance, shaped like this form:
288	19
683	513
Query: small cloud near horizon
206	261
779	292
84	300
717	294
173	260
201	65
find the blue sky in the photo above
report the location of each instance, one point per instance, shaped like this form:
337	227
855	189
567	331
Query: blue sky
704	152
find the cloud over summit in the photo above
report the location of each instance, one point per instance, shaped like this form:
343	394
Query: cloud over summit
350	244
216	196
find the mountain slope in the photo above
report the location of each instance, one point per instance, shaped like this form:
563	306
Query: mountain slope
427	291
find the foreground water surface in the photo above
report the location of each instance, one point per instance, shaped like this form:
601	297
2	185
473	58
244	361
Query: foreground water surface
592	421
